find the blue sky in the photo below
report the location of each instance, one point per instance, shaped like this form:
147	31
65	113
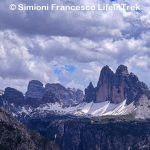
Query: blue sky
58	70
72	47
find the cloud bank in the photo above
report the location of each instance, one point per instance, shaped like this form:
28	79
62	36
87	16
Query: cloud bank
71	47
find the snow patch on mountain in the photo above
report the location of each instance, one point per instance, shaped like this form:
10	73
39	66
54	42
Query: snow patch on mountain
140	109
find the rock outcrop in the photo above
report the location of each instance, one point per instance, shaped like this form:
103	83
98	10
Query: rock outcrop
58	93
14	96
79	95
90	93
142	107
104	86
38	94
35	90
118	86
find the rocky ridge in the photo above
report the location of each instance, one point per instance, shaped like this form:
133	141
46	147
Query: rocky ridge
35	90
116	87
105	120
116	93
37	94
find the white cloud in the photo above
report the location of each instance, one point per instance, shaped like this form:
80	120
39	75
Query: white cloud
33	45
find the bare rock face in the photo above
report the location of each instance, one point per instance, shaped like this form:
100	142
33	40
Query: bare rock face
104	86
79	95
119	91
122	70
58	93
89	93
127	86
49	95
35	90
37	94
143	101
118	86
142	107
12	95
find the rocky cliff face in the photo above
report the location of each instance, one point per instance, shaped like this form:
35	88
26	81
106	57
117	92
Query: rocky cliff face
142	107
38	94
13	135
118	86
12	95
84	134
79	95
58	93
104	86
35	90
90	93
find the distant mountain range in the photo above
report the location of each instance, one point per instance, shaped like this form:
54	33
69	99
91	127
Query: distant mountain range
113	115
118	93
37	94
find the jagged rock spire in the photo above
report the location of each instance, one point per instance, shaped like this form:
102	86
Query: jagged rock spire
118	86
122	70
90	93
106	76
104	86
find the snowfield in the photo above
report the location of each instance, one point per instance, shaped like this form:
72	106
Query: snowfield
90	109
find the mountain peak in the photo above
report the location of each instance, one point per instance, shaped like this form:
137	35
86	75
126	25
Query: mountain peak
90	93
116	87
122	69
35	89
106	68
103	89
36	82
106	75
91	85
